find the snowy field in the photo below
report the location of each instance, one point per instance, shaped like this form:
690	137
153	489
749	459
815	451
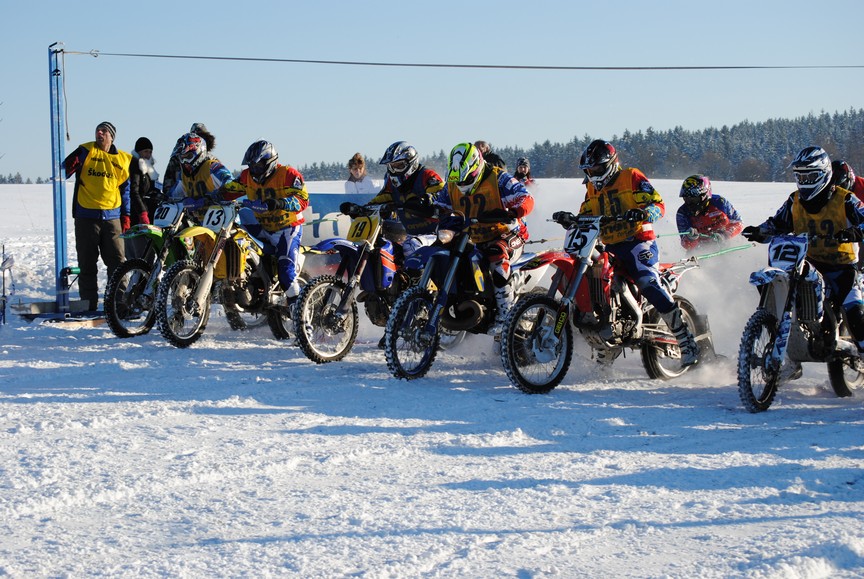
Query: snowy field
239	457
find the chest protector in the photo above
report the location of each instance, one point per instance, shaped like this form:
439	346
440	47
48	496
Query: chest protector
616	199
829	220
485	198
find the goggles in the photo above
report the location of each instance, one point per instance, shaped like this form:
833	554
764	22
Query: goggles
809	177
399	166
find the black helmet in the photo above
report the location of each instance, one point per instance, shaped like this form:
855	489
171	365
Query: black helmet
261	158
401	160
600	163
696	191
844	176
812	170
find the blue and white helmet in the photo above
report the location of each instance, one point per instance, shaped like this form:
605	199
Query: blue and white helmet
812	171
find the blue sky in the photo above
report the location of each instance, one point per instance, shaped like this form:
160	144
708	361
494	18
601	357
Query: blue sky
328	112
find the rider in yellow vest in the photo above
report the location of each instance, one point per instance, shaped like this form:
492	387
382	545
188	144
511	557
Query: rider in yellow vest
819	206
614	191
475	189
100	206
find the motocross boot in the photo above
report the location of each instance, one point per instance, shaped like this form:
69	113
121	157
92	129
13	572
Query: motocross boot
505	297
605	356
790	370
683	335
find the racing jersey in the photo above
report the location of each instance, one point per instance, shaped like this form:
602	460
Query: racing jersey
285	182
629	190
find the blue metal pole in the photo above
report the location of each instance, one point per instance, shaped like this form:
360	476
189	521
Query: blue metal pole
58	177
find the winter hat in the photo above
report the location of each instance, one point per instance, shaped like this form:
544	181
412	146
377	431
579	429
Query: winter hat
198	128
111	129
523	161
143	143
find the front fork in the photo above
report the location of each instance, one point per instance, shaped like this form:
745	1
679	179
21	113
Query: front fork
205	284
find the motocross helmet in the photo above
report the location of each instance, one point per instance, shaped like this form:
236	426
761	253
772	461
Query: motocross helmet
261	158
600	163
191	150
696	191
844	176
401	160
465	167
812	170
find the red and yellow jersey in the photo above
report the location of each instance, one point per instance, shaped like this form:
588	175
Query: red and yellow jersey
630	190
829	220
101	176
284	182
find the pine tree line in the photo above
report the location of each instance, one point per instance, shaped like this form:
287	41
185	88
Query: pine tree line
743	152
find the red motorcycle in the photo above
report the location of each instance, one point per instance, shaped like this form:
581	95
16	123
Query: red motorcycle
593	294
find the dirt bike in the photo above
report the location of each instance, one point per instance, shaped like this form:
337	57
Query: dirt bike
792	321
454	293
327	321
592	293
131	290
229	268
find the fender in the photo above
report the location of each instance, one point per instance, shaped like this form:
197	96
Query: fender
196	231
767	275
143	230
335	244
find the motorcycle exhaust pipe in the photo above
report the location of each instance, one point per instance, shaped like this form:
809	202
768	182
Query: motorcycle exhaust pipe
470	313
846	348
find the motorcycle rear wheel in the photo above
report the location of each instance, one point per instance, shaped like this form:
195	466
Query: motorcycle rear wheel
662	360
177	316
534	359
127	310
409	349
757	385
321	336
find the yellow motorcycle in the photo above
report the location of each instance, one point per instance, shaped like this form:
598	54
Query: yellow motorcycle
231	269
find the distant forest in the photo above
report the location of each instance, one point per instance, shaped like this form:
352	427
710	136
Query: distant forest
743	152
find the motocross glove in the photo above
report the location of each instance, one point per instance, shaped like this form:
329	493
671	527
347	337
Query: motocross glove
636	214
563	217
754	233
348	208
125	223
257	205
193	203
693	234
851	234
144	218
286	204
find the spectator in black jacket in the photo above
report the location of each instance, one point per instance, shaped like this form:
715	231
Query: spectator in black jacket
143	179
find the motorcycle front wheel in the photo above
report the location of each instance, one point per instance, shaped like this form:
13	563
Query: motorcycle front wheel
180	320
323	335
534	359
128	310
757	384
409	346
661	356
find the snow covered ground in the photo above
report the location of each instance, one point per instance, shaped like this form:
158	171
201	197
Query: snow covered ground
239	457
